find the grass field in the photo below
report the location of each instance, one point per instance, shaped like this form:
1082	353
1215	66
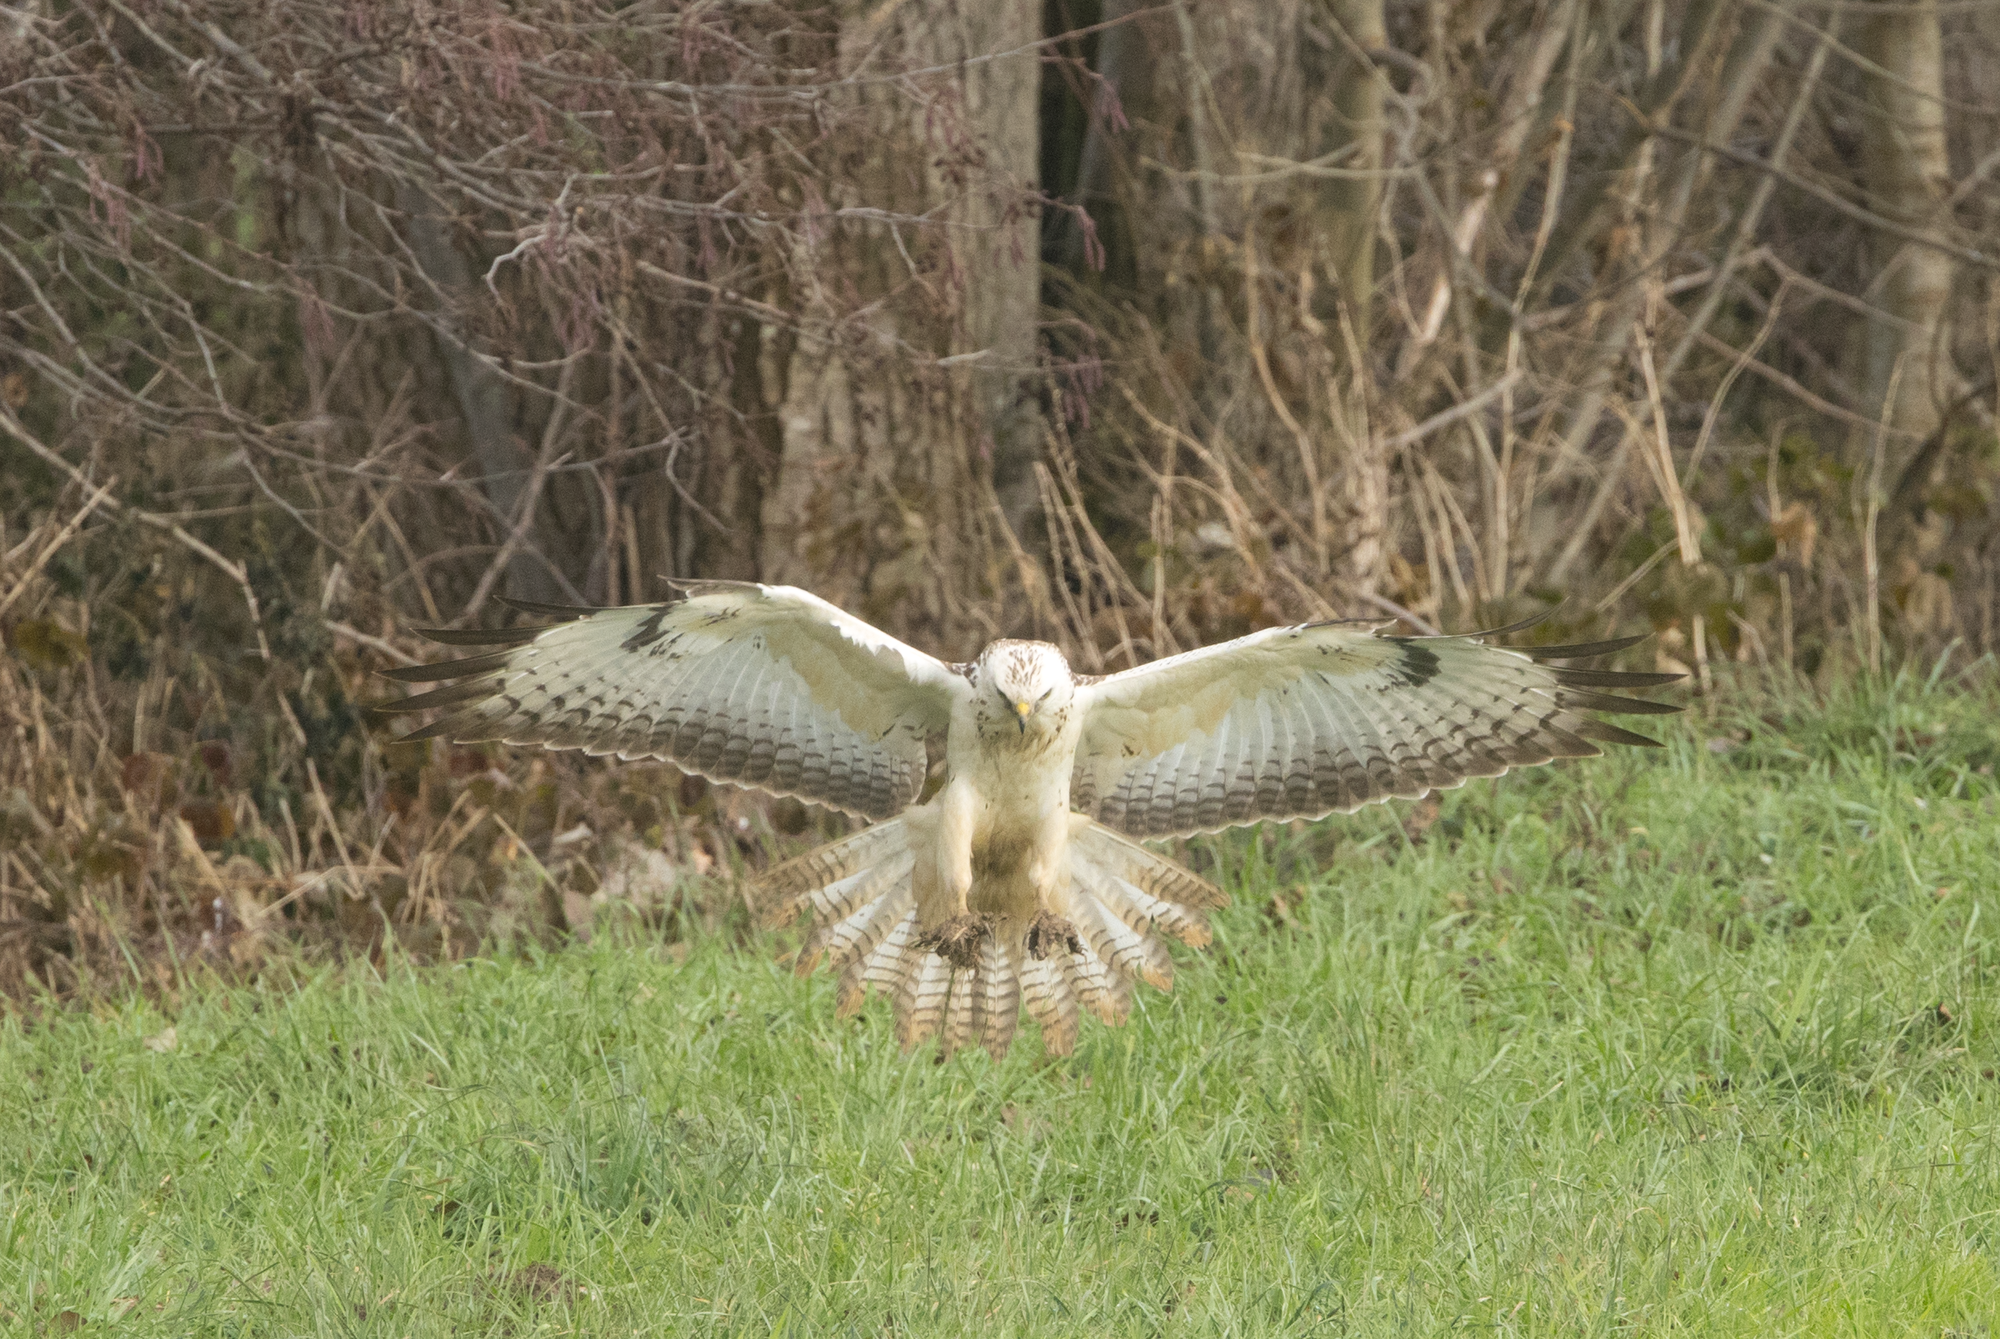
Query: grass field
1697	1042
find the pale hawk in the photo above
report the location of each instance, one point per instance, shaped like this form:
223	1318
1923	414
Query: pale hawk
1020	882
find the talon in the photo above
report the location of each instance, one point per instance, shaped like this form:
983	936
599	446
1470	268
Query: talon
957	940
1049	933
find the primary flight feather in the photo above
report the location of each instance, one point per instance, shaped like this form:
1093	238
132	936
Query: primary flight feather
1019	883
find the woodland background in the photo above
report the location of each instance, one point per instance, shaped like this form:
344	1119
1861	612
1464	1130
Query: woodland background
1129	326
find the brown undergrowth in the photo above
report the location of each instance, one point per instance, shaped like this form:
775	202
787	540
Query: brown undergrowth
127	867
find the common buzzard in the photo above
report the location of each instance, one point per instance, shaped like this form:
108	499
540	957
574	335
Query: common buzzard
1021	881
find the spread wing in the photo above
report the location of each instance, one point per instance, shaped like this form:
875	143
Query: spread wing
1304	721
764	686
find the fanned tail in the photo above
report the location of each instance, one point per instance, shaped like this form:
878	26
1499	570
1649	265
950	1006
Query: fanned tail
1120	894
825	878
864	912
965	983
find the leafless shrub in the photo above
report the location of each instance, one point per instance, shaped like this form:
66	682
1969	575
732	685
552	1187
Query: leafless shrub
1642	277
319	321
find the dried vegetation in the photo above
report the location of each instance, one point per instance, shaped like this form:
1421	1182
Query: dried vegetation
1130	326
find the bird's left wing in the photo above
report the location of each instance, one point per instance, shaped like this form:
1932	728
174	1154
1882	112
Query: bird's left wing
765	686
1322	718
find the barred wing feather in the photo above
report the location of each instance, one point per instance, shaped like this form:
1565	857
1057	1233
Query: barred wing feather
1304	721
765	686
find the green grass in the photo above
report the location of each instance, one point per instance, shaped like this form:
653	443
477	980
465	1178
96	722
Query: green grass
1651	1044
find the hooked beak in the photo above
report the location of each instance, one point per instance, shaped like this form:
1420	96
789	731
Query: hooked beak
1022	710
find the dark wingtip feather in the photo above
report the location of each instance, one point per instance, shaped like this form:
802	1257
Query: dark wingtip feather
1580	650
435	730
1596	678
563	611
479	636
1481	635
438	697
1605	733
1587	700
1522	626
1577	683
448	669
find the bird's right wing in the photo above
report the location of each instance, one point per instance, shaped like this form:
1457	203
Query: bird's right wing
765	686
1323	718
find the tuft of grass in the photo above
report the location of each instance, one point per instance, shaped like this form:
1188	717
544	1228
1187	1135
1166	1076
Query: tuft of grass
1699	1042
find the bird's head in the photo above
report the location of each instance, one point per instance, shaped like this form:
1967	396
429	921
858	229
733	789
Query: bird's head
1028	684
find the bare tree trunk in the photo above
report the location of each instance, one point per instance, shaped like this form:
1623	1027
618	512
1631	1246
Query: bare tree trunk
1125	68
1346	211
1908	176
909	403
1907	373
484	403
1254	268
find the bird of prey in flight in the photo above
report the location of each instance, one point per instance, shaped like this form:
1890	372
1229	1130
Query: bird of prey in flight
1021	881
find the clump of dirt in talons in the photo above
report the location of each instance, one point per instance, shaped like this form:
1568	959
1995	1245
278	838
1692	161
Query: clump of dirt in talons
1049	934
957	940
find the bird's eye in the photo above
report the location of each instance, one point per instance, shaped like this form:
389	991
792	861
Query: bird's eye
1045	695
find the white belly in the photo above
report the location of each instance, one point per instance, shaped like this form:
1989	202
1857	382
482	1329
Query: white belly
1005	821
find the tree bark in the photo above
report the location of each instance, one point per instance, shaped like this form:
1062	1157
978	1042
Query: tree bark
1254	269
1908	176
908	413
484	403
1907	373
1347	209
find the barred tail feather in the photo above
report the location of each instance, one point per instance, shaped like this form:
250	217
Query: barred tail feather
1106	993
857	933
959	1011
1126	951
842	898
1121	899
883	967
921	999
1151	872
1142	911
999	998
829	878
1046	992
864	908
